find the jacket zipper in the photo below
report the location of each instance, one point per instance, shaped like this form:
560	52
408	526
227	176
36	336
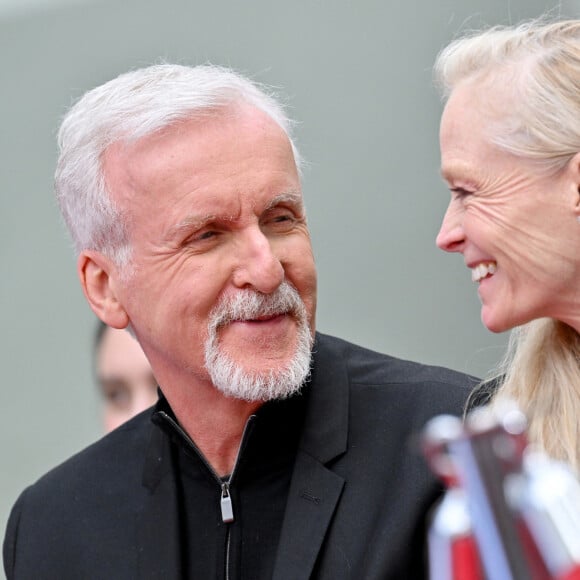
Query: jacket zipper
226	506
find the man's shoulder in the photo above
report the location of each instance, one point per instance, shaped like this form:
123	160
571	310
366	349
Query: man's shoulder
367	366
115	457
82	508
390	388
389	399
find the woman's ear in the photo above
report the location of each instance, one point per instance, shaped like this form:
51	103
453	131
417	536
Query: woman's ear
573	172
97	276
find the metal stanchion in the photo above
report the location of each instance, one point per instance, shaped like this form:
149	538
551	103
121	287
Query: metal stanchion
509	513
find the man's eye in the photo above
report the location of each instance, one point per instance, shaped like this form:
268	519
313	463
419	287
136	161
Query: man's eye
281	220
203	236
207	235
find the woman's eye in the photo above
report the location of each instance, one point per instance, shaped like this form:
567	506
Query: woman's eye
460	192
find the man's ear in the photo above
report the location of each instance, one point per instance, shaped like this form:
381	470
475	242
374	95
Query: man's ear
97	276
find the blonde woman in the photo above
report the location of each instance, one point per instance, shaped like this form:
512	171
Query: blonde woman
510	153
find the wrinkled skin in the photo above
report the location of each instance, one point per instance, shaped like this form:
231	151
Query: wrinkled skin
505	211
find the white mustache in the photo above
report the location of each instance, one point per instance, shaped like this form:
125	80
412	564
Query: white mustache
250	305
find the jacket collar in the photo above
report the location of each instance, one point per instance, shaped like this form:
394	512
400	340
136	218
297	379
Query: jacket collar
326	425
325	428
315	489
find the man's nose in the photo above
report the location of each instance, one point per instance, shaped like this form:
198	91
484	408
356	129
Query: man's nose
451	235
258	266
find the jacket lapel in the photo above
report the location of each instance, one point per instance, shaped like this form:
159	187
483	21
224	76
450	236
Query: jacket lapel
315	490
313	497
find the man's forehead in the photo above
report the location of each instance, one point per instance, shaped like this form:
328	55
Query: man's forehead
194	129
223	166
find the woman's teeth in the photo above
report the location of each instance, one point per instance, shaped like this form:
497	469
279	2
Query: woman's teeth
483	270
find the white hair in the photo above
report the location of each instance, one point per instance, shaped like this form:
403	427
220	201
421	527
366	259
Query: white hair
538	63
132	106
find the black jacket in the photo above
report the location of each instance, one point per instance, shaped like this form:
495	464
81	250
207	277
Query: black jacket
357	504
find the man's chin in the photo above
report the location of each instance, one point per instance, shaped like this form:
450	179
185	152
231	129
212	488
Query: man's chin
259	387
271	379
252	362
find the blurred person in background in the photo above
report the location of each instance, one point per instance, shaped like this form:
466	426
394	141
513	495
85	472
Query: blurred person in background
123	374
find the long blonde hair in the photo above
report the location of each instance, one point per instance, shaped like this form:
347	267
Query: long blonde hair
541	369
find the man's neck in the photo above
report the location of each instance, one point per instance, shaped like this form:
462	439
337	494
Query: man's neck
214	422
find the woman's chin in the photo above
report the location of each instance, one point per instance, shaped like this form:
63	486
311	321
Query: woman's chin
495	324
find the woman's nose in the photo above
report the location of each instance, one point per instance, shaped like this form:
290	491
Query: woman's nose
451	235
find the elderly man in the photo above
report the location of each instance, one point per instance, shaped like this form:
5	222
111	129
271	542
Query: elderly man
274	451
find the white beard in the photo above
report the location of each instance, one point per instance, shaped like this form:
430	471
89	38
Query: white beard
229	376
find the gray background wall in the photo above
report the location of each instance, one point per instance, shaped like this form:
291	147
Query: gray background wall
358	77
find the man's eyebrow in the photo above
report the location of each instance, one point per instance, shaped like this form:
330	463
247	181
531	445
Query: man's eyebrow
294	197
195	222
189	224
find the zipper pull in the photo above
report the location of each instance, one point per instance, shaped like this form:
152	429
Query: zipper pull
226	504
